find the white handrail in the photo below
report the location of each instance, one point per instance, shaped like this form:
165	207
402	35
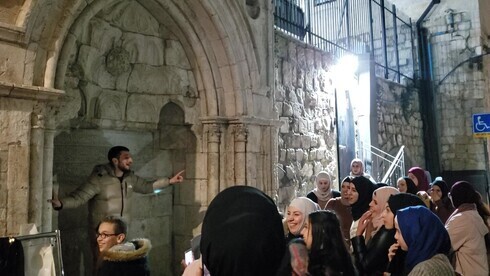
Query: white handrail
395	162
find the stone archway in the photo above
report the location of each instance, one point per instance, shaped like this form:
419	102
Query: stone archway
119	63
122	68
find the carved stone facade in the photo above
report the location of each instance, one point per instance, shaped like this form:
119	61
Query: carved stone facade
206	86
184	85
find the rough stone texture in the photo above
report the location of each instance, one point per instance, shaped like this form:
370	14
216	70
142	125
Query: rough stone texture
305	105
464	91
133	78
399	121
129	68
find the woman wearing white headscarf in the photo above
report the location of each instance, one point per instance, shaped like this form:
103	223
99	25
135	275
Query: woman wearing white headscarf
323	191
297	213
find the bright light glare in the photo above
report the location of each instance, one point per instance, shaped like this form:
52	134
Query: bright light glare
348	64
344	72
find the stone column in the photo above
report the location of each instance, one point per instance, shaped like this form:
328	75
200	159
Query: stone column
240	133
47	210
17	186
36	197
214	138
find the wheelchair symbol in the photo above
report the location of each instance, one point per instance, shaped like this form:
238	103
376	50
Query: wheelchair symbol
480	125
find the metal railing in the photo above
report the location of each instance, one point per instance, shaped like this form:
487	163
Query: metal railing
39	246
383	165
352	26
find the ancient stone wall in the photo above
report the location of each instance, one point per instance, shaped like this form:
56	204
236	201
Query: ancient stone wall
399	121
305	102
461	87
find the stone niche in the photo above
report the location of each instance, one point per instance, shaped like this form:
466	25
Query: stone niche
128	82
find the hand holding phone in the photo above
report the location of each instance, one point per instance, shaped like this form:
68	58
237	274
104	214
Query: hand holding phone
188	257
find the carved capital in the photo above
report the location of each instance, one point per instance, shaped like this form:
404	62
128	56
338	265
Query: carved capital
240	132
214	133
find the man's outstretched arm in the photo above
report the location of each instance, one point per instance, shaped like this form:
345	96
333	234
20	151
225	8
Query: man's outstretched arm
164	182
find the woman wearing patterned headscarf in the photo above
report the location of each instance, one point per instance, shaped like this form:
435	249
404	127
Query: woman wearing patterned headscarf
323	191
467	228
242	234
423	236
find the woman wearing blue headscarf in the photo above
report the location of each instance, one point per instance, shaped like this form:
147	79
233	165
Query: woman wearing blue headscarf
422	234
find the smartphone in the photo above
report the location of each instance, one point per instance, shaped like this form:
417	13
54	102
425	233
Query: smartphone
188	257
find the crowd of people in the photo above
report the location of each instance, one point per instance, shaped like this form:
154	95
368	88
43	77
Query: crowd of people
366	228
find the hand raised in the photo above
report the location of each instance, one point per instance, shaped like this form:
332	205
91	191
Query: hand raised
178	178
55	202
392	251
363	223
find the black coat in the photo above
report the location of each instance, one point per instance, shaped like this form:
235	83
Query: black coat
372	259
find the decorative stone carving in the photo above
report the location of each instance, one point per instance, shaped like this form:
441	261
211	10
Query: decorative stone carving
110	106
241	133
117	61
144	49
214	133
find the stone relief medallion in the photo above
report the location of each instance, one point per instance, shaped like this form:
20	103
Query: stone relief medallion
117	61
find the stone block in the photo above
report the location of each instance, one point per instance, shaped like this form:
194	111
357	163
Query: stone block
282	155
290	172
93	65
136	103
175	55
291	155
306	141
158	80
284	125
296	141
303	126
299	155
103	35
11	71
280	93
313	154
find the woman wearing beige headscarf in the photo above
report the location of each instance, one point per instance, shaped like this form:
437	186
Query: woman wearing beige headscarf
297	213
323	191
377	205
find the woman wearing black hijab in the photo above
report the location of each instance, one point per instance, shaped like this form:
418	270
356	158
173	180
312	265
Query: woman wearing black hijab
242	234
359	196
406	185
442	206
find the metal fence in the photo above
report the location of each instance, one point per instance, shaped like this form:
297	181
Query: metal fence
353	26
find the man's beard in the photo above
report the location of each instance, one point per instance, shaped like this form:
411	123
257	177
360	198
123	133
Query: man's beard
123	169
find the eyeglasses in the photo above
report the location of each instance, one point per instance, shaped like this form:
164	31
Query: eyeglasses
104	235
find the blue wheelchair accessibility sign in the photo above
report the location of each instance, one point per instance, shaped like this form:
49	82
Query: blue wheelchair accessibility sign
481	125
